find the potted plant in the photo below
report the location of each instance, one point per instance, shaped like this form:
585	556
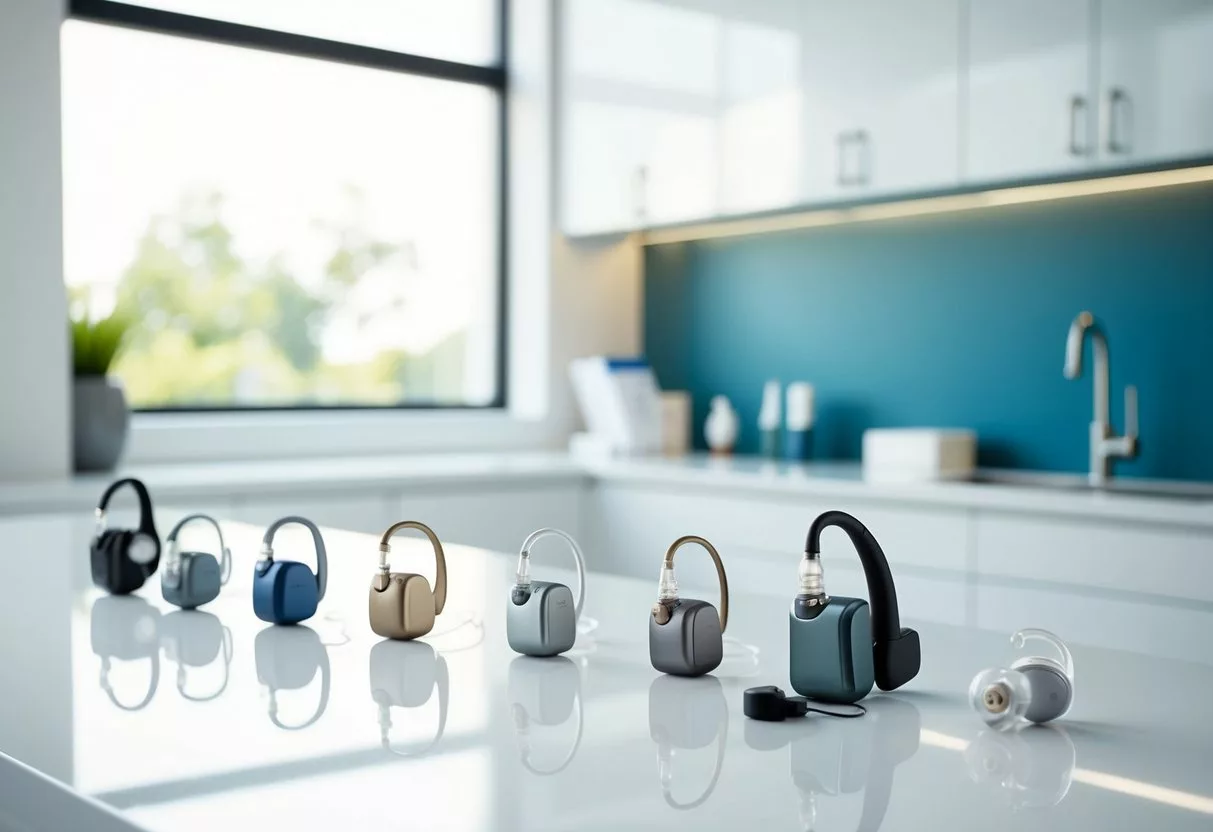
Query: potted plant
100	416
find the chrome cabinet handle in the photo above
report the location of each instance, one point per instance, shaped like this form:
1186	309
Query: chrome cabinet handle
640	193
865	156
844	139
1078	111
1118	103
859	140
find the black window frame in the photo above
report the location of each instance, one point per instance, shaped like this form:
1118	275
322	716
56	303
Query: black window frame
493	77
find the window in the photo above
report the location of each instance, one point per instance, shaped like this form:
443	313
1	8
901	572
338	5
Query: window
288	219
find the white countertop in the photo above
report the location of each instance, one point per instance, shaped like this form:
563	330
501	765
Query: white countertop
97	695
744	475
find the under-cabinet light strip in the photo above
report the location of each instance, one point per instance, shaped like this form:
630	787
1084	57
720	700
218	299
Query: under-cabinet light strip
927	205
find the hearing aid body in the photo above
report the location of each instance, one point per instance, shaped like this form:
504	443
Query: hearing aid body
839	647
686	635
191	579
1033	689
401	604
123	559
541	618
286	591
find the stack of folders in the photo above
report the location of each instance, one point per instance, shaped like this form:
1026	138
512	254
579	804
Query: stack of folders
620	403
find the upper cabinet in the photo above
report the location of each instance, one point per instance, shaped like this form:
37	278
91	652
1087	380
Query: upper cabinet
881	98
1028	95
682	110
1156	80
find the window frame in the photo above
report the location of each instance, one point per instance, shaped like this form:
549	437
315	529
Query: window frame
493	77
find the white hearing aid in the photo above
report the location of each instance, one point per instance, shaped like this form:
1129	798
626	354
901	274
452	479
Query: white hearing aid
1033	689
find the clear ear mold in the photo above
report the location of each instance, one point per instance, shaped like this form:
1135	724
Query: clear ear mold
1000	696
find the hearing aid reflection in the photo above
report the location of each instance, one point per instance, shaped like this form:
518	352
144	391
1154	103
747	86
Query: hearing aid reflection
687	717
543	693
290	659
831	757
125	628
195	640
404	676
1030	769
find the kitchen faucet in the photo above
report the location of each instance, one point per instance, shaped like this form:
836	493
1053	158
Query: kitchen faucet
1105	445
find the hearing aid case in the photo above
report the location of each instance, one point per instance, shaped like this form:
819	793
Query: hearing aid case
197	583
404	608
831	654
690	643
545	624
285	593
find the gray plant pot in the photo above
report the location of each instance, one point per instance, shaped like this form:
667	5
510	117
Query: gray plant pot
100	419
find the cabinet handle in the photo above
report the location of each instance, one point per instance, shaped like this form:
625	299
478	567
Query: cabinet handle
640	193
1078	111
844	139
865	158
847	139
1119	102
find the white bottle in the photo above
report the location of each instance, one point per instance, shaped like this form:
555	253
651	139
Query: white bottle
798	435
769	417
720	429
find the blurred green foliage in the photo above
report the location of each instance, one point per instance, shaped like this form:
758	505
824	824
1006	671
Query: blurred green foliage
96	343
209	329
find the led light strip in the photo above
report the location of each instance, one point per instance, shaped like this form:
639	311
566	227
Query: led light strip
927	205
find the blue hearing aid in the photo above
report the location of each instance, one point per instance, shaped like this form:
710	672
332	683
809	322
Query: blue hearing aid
191	579
286	591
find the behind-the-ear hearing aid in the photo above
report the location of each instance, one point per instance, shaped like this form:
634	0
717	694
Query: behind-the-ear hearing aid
541	618
286	591
686	636
1033	689
684	718
1030	769
401	604
195	640
405	676
545	694
122	559
833	758
839	646
287	659
191	579
126	629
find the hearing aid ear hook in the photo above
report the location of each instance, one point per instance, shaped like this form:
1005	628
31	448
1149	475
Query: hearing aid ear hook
523	577
667	590
1034	634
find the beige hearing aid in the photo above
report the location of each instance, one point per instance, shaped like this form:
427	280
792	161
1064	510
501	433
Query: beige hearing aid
401	604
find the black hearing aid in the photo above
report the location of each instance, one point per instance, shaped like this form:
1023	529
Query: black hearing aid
839	646
122	559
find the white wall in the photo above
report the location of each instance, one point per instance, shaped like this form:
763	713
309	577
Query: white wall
34	361
566	300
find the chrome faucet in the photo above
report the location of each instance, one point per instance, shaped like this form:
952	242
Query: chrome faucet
1105	445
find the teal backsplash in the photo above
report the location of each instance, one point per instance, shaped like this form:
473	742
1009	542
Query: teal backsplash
956	320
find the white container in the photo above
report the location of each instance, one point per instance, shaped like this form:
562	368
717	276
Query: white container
720	429
918	454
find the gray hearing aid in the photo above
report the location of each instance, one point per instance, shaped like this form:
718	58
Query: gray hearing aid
686	636
1033	689
541	618
191	579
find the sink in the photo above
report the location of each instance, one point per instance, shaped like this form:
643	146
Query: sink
1157	489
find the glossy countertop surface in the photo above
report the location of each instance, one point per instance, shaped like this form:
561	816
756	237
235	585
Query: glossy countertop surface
212	719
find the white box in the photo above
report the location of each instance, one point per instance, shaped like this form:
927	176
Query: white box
918	454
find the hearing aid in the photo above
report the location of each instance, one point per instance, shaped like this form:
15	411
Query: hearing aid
541	618
405	676
288	659
686	636
839	647
401	604
1033	689
286	591
191	579
122	559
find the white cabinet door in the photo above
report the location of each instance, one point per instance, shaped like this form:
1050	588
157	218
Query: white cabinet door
1156	79
639	84
1028	94
881	97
